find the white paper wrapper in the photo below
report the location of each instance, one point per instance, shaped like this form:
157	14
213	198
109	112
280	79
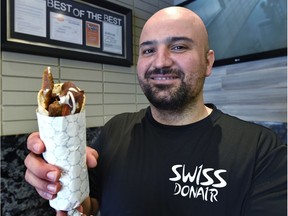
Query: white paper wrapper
65	141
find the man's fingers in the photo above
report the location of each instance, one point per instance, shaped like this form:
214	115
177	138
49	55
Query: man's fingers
45	194
46	189
35	144
47	171
61	213
45	180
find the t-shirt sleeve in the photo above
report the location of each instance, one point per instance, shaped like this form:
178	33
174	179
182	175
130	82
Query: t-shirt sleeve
268	192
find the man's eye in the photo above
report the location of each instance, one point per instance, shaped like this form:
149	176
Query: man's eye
147	51
178	47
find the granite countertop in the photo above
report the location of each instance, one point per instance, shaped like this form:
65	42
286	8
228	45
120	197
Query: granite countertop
17	196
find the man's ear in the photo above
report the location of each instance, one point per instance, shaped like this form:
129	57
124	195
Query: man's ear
210	61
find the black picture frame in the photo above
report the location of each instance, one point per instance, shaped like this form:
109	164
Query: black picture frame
108	40
184	2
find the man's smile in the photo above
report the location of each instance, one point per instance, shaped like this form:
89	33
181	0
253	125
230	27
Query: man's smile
163	77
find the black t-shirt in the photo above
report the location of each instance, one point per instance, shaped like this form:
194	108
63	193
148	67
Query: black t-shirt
220	165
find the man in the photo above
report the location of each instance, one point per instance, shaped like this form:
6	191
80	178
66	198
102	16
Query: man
179	156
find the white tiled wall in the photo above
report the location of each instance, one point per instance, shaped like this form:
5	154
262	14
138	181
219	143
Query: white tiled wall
113	89
110	89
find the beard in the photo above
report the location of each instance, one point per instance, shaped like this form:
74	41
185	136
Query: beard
175	98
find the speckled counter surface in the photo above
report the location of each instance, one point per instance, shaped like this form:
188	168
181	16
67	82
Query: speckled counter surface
18	198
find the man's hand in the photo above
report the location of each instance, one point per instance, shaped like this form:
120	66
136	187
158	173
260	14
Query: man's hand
43	176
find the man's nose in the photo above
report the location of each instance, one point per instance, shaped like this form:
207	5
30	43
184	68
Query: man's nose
163	58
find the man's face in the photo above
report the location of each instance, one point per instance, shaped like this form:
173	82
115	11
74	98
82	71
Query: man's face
172	64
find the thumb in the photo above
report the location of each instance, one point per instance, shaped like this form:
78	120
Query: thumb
91	158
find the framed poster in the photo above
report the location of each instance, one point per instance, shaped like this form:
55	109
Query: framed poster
97	31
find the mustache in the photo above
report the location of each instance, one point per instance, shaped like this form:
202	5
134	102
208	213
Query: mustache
164	71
